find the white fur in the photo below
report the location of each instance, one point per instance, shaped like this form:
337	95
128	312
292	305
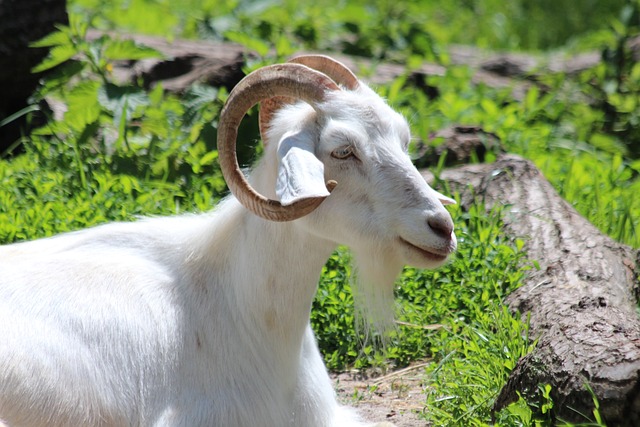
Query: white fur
203	320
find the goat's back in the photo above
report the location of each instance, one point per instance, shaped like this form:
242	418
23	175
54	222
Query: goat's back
89	321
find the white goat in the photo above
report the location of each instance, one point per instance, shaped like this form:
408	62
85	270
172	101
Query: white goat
203	320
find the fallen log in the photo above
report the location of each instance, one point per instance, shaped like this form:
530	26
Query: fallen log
582	300
220	64
460	145
525	65
185	62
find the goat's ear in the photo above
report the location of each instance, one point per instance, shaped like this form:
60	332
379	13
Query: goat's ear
300	173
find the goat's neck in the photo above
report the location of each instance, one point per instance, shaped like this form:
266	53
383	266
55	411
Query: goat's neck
275	269
282	292
291	259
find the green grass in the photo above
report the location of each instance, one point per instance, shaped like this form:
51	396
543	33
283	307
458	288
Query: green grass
123	151
483	271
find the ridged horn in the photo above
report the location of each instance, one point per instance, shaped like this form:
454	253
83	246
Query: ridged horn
336	70
289	80
329	66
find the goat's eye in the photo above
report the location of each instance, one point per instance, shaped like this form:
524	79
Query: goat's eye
342	152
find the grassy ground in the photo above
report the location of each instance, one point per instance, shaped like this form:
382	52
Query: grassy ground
120	152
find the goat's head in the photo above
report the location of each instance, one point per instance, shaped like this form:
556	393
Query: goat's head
381	206
349	136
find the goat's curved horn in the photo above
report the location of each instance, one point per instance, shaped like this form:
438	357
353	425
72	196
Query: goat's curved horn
268	107
290	80
329	66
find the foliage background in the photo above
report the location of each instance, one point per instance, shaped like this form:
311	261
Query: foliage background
120	151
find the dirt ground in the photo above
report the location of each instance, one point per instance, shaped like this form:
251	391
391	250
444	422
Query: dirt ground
396	396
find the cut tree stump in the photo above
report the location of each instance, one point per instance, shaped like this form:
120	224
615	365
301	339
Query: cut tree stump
582	300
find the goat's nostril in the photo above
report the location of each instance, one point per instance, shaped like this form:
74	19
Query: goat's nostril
441	225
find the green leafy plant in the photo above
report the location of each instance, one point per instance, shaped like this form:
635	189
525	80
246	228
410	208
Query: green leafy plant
118	150
614	86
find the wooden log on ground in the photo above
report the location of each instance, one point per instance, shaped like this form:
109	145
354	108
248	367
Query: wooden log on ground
185	62
582	301
460	144
510	64
220	64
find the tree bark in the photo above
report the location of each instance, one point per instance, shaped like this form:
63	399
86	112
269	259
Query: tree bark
582	300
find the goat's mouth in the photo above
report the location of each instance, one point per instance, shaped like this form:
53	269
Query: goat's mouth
430	254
